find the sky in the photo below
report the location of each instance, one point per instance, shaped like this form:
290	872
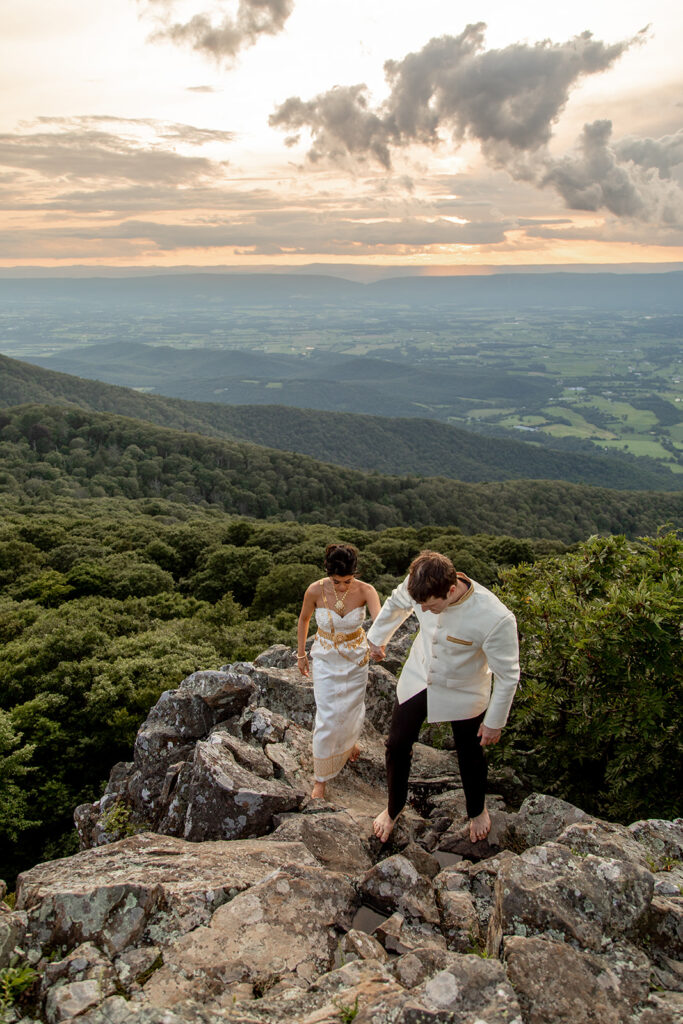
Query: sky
440	135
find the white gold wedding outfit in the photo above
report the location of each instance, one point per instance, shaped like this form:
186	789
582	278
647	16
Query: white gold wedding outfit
339	658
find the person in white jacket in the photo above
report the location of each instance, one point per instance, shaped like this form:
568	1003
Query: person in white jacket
466	636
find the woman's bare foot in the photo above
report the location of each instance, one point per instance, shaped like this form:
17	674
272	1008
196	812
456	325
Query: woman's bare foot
318	791
383	826
480	826
355	753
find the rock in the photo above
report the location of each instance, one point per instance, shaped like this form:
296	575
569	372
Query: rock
469	990
459	920
549	889
67	1001
457	838
136	966
399	646
215	797
358	945
395	885
666	925
189	880
277	656
422	861
668	973
420	964
12	931
331	838
225	692
177	720
662	839
541	819
555	982
288	923
283	690
604	839
264	725
249	756
83	963
380	697
399	935
663	1008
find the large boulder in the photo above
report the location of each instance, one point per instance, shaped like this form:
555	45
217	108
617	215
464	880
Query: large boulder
288	924
148	888
541	819
555	982
215	797
582	899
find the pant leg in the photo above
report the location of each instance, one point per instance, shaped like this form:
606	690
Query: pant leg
472	763
406	722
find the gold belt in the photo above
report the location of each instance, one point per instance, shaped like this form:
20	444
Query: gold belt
341	638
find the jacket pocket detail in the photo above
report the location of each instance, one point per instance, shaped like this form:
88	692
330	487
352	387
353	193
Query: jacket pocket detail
456	640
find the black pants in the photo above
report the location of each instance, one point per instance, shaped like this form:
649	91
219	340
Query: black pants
406	722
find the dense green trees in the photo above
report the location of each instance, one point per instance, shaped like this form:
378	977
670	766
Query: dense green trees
598	718
47	451
106	602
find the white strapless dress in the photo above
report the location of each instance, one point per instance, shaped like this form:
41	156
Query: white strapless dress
339	659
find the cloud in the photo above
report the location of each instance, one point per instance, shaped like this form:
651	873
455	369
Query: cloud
629	179
225	38
507	99
86	148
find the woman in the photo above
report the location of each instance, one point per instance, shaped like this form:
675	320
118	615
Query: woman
340	660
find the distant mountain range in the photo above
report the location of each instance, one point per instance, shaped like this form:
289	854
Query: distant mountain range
370	443
656	292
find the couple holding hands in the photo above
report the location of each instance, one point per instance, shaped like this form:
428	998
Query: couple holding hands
466	636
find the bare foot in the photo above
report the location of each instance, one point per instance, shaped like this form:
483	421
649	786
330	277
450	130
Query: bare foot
480	826
318	791
383	826
355	753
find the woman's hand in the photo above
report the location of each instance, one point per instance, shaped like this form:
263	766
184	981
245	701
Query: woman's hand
302	664
376	653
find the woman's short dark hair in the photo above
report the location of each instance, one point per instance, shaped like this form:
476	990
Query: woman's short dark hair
431	575
341	559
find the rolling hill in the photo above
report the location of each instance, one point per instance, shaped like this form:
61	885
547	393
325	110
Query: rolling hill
371	443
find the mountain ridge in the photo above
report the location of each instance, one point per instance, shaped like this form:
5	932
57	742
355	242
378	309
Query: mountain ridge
354	440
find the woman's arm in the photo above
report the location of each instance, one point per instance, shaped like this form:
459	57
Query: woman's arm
372	600
305	615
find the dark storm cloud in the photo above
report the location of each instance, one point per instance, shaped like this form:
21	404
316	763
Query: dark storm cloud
507	99
225	37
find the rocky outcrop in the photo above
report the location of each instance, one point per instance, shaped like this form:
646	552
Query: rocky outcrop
211	889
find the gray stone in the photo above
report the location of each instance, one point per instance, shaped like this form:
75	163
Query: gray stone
470	990
135	966
277	656
216	798
289	923
331	838
192	879
247	755
286	692
666	925
225	692
662	839
395	885
361	946
549	889
71	1000
457	838
555	982
459	920
541	819
421	860
264	725
605	839
663	1008
399	935
12	932
177	720
420	964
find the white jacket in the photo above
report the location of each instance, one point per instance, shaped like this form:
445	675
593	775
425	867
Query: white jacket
455	653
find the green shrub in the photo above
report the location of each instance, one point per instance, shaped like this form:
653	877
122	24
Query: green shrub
598	717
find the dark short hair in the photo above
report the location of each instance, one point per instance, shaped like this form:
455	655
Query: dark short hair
431	575
341	559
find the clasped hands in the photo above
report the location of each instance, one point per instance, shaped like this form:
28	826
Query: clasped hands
376	653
